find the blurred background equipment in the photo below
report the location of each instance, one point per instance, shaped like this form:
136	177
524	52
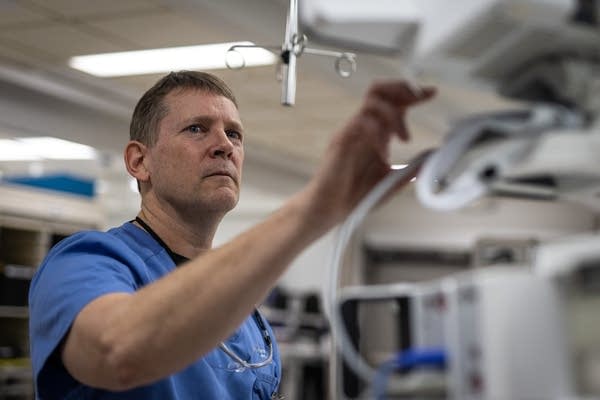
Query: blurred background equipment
509	329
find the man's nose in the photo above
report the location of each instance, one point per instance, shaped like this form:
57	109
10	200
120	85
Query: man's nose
222	146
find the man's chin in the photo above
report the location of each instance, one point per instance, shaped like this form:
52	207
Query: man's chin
222	198
224	201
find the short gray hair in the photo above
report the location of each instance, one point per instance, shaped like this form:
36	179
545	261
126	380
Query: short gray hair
151	109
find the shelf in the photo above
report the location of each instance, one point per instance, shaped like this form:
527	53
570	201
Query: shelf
16	381
14	312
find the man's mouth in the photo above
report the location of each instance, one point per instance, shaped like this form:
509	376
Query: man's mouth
222	173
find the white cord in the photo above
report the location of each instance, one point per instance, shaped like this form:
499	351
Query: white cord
338	331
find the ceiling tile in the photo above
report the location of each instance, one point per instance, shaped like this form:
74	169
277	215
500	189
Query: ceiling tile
11	14
168	29
18	53
78	8
138	84
61	41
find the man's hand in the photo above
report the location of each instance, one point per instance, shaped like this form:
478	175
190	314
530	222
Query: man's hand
358	156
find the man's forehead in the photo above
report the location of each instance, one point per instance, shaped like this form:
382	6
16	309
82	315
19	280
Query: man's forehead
181	93
189	103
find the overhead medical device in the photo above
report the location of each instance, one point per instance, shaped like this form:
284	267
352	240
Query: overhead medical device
543	54
546	55
294	46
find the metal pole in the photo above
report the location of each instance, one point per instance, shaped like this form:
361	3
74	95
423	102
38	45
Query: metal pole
288	66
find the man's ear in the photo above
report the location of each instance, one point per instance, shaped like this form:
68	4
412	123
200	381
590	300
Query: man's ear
135	160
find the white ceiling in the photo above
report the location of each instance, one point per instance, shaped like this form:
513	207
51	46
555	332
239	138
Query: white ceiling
40	95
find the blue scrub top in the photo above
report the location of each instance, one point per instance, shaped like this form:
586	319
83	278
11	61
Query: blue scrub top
90	264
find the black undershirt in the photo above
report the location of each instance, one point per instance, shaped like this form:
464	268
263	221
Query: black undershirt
177	258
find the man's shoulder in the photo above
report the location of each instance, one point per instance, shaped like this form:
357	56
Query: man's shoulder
91	237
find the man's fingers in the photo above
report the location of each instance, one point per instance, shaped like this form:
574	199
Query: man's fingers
384	114
401	93
426	92
402	131
386	103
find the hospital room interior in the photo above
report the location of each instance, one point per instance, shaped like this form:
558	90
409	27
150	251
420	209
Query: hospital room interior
479	279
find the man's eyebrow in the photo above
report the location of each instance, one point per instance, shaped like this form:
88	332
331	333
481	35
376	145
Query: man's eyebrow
237	125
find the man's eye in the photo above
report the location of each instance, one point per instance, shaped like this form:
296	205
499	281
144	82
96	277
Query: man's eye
195	129
234	135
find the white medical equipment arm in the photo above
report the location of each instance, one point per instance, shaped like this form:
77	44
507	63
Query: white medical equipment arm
495	153
547	150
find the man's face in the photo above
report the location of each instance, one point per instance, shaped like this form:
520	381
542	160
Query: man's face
196	162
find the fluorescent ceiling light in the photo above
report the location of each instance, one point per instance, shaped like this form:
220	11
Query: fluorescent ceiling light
58	149
11	150
40	148
399	166
210	56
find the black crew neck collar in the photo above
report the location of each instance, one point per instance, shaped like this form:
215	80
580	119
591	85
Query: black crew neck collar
177	258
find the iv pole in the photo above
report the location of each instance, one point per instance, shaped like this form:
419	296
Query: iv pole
294	45
289	55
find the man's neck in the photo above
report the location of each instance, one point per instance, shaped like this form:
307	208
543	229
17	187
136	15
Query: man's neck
185	236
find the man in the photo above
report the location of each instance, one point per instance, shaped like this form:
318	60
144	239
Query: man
112	317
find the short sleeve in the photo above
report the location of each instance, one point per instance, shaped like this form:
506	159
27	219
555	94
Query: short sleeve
78	270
